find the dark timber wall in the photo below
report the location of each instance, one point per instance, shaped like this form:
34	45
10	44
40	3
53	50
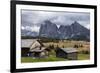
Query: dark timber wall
24	52
62	54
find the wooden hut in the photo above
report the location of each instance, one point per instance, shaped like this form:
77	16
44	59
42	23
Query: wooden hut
32	48
68	53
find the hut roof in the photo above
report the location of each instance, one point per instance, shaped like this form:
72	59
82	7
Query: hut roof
27	43
69	50
40	43
37	49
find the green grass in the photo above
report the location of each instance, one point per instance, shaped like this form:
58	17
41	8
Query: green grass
51	58
83	56
52	54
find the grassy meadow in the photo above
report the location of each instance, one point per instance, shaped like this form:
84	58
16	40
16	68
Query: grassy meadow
83	48
52	58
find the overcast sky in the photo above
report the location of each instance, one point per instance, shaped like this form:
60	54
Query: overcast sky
31	20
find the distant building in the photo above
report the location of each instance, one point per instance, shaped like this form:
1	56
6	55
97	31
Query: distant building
33	48
68	53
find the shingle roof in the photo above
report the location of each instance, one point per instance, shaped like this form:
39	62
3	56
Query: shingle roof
40	43
38	49
27	42
69	50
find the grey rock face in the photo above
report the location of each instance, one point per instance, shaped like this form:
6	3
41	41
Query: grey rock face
48	29
73	31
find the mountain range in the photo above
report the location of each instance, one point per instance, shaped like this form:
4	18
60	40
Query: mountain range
49	29
28	33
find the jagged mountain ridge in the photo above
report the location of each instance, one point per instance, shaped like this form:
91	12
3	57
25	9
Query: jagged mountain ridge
49	29
28	33
73	31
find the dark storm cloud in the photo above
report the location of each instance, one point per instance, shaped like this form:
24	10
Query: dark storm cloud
35	18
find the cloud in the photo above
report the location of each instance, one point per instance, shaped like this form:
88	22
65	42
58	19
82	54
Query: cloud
88	26
29	28
33	19
36	29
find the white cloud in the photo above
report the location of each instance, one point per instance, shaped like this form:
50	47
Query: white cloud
30	28
58	26
88	26
35	18
35	28
22	27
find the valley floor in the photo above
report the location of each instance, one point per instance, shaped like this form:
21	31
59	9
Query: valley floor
52	58
83	48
